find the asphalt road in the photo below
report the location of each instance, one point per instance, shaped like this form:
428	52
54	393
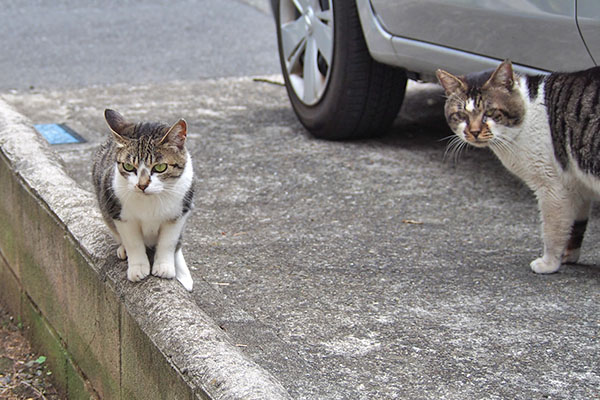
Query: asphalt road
71	43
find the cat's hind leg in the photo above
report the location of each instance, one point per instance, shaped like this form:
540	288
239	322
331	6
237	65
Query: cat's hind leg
578	227
182	272
573	249
121	252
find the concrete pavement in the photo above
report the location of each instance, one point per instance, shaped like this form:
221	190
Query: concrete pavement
375	269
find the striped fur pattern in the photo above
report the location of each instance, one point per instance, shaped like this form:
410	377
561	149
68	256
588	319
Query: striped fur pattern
545	130
143	181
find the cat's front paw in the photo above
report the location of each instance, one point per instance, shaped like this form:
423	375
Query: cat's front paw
541	266
137	272
163	270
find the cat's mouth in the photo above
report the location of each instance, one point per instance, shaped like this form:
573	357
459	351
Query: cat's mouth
478	141
144	192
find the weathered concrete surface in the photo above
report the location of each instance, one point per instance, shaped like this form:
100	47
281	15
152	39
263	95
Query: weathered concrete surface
103	337
358	270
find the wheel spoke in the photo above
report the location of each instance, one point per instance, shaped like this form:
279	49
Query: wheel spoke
293	64
312	77
323	35
325	15
301	5
292	36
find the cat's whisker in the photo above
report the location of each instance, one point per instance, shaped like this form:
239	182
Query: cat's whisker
504	144
455	146
464	146
451	149
176	191
449	137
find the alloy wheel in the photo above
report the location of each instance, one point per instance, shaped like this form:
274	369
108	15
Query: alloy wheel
307	39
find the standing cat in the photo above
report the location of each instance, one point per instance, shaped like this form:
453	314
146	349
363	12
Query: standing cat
545	130
143	180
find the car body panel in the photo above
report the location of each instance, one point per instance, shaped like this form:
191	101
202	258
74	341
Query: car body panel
526	25
418	56
529	32
379	41
588	19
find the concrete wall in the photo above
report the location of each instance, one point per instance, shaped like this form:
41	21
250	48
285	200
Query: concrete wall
103	336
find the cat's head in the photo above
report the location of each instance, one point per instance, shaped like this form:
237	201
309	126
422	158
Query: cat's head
481	106
151	157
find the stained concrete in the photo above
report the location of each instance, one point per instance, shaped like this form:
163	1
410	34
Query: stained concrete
345	270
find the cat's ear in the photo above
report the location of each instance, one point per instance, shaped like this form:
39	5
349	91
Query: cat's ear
176	135
502	77
451	84
117	125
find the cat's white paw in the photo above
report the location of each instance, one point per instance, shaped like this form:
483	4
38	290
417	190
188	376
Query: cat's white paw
571	256
122	253
137	272
164	270
541	266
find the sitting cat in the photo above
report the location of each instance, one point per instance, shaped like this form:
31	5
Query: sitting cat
545	130
143	180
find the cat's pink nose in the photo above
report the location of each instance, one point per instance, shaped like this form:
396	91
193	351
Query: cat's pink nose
142	186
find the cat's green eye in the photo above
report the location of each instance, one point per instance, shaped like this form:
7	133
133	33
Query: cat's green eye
495	114
459	116
160	168
128	167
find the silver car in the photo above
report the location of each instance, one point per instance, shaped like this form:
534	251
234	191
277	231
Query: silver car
346	62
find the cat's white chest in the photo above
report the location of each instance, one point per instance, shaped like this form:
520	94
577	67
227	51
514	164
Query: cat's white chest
530	153
150	231
148	213
158	207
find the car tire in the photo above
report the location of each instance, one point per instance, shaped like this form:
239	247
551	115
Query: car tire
359	96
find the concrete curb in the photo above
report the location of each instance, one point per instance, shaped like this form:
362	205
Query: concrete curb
104	336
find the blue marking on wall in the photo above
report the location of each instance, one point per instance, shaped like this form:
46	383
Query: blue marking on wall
58	133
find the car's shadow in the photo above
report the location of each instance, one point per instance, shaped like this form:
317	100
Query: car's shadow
421	121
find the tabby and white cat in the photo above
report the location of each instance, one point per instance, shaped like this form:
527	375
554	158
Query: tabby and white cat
545	130
143	180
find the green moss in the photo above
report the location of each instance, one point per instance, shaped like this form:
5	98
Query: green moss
78	389
8	243
100	373
146	373
10	290
93	326
45	341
